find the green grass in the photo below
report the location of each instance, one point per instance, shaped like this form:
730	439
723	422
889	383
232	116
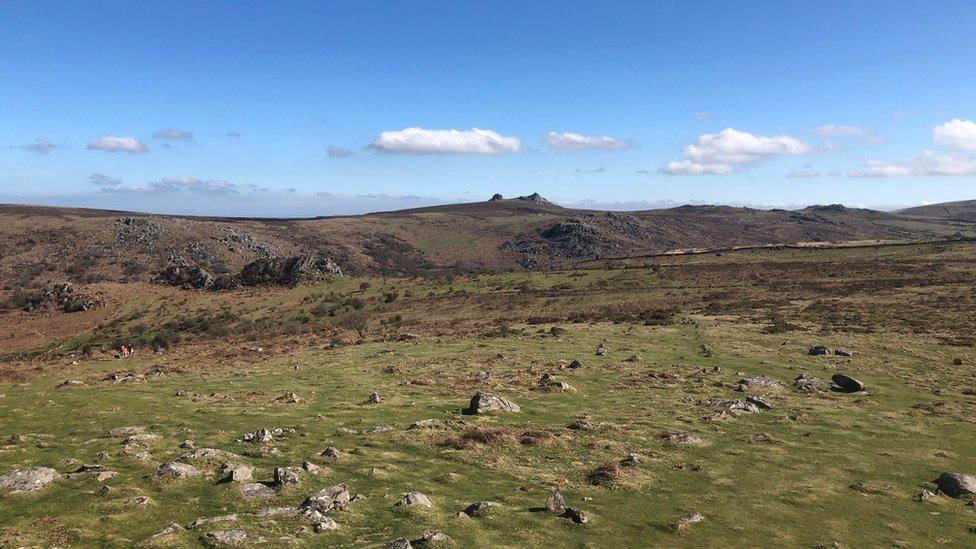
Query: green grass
794	493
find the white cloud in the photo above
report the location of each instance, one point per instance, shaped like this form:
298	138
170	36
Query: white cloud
178	135
687	167
102	180
929	163
833	130
956	134
41	146
338	152
111	143
568	141
423	141
719	153
731	146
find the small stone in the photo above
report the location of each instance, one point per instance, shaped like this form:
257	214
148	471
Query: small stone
170	529
477	508
575	364
311	468
373	398
233	538
843	351
818	350
331	453
212	520
429	536
139	501
399	543
326	524
686	520
414	499
239	473
925	495
601	351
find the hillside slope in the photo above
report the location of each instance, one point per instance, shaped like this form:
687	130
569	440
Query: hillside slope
43	244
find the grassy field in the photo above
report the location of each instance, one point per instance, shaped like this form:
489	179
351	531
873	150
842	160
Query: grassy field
680	333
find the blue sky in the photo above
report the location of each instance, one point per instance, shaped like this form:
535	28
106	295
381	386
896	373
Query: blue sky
232	108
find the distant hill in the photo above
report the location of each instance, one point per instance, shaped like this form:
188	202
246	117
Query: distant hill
962	210
45	244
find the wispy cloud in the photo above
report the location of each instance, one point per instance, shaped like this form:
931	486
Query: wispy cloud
104	181
177	135
568	141
720	153
807	172
338	152
111	143
42	146
424	141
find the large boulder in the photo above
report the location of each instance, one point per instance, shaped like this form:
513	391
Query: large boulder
414	499
847	383
956	484
27	480
482	403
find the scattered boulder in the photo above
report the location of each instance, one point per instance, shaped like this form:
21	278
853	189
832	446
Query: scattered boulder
239	473
575	515
259	436
847	383
601	351
233	538
757	382
334	497
818	350
430	537
574	364
414	499
27	480
675	438
843	351
808	384
548	383
399	543
212	520
686	520
483	402
331	453
211	453
256	490
555	504
175	469
170	529
283	476
373	398
956	485
125	431
139	501
477	508
68	383
496	197
925	495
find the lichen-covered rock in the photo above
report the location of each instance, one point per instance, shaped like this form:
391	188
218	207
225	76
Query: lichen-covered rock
27	480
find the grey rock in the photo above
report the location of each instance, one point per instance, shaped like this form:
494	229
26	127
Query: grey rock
555	503
27	480
847	383
478	508
175	469
212	520
843	351
284	476
956	485
399	543
334	497
483	402
414	499
232	538
169	530
256	490
685	520
757	382
808	384
576	515
818	350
